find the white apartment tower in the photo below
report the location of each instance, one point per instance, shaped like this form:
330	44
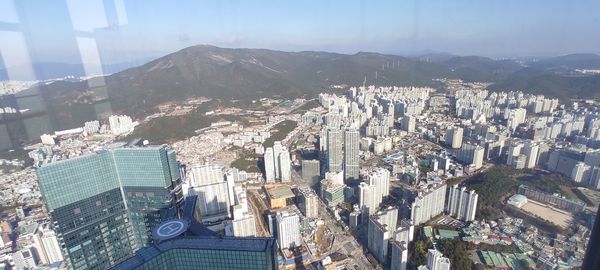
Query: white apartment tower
285	165
351	154
462	204
409	123
515	117
368	199
381	229
288	229
428	203
213	190
309	203
454	137
471	154
277	149
47	246
334	150
380	178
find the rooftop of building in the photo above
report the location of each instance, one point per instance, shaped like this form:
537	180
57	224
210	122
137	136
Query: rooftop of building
448	234
112	147
279	191
196	242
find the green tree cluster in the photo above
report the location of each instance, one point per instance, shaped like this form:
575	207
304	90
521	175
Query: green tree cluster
458	253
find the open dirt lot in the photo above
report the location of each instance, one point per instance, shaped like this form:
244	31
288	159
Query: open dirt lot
559	217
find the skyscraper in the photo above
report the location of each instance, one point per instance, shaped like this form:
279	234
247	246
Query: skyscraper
277	149
288	229
285	165
277	163
454	137
310	171
269	161
104	205
351	154
462	204
408	123
334	150
323	150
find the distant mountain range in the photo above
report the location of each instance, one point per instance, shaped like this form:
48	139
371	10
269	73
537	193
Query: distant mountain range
253	73
49	71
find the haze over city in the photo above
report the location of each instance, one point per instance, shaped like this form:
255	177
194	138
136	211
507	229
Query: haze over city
485	28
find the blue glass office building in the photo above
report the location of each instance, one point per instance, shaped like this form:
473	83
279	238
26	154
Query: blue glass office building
207	253
184	244
104	205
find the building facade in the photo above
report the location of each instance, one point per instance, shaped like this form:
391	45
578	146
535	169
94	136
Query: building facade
462	204
104	205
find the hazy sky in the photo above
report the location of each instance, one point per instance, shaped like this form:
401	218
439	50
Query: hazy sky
52	30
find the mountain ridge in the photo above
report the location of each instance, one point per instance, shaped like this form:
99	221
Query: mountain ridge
226	73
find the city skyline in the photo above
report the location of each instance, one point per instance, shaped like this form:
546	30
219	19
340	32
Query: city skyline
271	135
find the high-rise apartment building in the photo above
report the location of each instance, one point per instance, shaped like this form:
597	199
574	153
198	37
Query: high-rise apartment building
428	203
213	191
288	229
454	137
408	123
277	149
311	171
515	117
399	255
309	203
47	246
514	150
530	151
244	226
285	166
104	205
351	154
269	161
335	154
277	163
368	199
381	229
462	204
380	178
471	154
